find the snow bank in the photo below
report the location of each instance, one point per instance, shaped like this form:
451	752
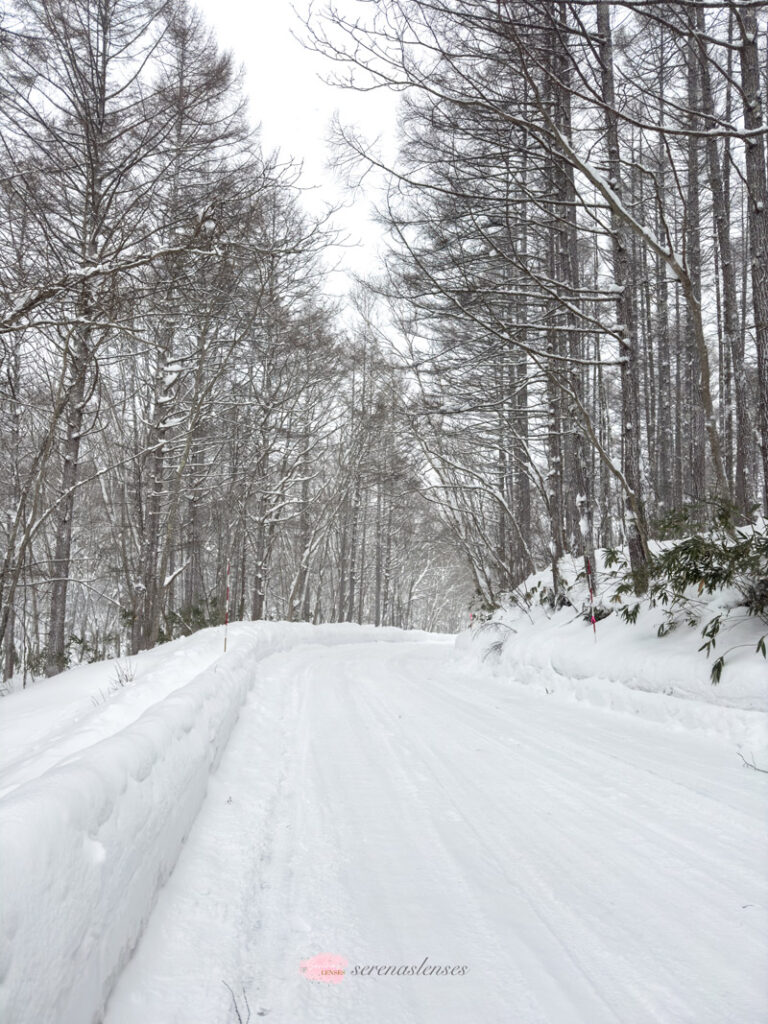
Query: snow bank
85	847
630	669
54	719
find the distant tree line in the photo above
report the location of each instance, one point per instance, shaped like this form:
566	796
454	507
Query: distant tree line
576	286
176	392
579	262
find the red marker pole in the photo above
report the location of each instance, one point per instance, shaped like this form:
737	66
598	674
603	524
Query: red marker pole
226	611
591	600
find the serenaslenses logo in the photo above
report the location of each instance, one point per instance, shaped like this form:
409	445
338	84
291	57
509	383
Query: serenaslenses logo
327	967
332	968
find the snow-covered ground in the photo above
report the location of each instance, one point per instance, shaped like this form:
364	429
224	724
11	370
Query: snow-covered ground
398	805
53	719
629	668
99	789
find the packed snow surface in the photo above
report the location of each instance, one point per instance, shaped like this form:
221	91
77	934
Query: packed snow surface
94	814
381	808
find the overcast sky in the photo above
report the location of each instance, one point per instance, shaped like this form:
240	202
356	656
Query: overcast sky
287	95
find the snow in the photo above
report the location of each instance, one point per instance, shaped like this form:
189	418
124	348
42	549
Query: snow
668	685
55	718
92	819
629	668
386	804
222	826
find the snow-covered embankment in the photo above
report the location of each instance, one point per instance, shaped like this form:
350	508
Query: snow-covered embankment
631	669
85	848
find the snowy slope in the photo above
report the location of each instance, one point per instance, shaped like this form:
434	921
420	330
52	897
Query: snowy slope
629	668
387	804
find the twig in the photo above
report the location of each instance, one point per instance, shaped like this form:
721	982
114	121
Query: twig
751	764
237	1008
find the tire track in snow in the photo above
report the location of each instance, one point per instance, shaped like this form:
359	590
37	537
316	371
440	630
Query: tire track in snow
561	790
388	809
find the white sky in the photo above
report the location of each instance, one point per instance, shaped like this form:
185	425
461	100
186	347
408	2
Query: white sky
294	106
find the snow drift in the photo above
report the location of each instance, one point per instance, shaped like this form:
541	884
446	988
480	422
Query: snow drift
85	848
628	668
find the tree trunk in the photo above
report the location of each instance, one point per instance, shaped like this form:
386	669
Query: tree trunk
636	524
56	652
730	312
757	215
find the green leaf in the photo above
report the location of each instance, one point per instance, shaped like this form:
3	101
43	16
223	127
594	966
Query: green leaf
717	670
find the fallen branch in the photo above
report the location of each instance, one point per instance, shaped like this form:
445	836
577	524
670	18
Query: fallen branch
751	764
237	1008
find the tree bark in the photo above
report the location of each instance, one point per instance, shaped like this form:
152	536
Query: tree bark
636	522
757	216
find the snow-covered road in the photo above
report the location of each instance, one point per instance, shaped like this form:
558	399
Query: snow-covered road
388	803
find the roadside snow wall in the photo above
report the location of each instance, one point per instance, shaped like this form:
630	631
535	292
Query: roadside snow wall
633	671
85	848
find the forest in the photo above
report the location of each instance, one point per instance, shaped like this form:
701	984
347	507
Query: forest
565	348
